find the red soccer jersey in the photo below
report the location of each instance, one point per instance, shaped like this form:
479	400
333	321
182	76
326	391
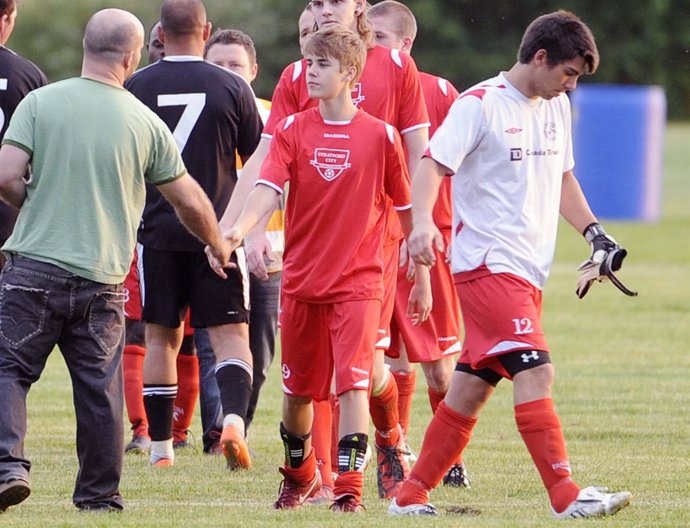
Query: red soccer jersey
389	89
340	174
439	95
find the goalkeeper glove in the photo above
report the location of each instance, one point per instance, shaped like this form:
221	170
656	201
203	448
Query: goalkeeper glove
607	257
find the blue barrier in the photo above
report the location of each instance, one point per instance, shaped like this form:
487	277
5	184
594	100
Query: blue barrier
618	133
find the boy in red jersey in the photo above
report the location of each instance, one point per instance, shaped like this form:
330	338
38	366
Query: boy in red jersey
433	344
342	165
388	89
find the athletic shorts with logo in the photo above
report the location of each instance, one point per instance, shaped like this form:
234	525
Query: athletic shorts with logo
173	280
501	313
320	339
439	335
391	256
132	294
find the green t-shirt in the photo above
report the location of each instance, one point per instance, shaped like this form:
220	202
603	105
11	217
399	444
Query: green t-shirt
93	146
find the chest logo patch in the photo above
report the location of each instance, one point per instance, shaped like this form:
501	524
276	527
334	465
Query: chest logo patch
330	163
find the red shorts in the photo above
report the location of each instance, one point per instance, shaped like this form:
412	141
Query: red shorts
391	255
133	296
501	313
438	336
318	338
132	292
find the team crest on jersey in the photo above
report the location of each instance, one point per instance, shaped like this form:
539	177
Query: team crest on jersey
550	130
357	96
331	162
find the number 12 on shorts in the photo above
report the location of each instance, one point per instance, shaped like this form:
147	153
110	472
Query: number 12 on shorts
523	325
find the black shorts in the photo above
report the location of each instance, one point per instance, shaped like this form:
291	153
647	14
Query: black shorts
174	280
512	362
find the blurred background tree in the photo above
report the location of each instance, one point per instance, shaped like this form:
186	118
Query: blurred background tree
466	41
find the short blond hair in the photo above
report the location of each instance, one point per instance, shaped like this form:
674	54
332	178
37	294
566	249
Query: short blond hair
341	44
404	22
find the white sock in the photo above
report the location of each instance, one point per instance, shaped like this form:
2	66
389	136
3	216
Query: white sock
161	449
236	421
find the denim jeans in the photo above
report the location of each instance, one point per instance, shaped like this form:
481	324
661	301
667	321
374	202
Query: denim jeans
264	297
41	306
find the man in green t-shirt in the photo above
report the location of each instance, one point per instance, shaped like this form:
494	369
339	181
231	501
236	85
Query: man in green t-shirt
91	146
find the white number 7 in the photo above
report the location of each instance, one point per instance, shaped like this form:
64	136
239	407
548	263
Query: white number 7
194	104
3	86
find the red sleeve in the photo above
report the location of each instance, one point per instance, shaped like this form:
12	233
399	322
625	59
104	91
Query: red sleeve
275	170
413	112
397	177
285	99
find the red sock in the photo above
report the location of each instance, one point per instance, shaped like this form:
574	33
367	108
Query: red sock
384	414
335	431
445	439
349	483
434	399
412	492
187	394
133	369
321	440
541	431
406	382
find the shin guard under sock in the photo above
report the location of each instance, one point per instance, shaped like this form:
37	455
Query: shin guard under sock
133	371
406	383
446	437
159	401
187	393
234	378
541	431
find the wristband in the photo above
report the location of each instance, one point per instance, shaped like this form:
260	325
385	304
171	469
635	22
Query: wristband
592	231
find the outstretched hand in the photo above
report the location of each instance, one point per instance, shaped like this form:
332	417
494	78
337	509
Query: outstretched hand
258	252
219	256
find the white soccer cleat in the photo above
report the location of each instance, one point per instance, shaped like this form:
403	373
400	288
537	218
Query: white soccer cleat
593	502
412	509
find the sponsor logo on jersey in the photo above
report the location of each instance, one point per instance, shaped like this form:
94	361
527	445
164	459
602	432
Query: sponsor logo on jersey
357	96
513	130
541	152
330	163
336	136
515	154
550	130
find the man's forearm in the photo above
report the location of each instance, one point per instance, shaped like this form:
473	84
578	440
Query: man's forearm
199	218
14	163
425	186
13	194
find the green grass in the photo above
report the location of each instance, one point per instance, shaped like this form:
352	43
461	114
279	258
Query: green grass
622	391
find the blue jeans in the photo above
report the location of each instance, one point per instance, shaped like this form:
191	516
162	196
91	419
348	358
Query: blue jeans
41	306
264	297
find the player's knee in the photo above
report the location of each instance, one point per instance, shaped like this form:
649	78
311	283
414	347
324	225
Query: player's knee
437	378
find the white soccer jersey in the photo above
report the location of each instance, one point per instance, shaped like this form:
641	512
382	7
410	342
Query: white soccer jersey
506	154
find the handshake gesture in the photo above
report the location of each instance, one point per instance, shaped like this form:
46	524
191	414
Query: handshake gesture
607	257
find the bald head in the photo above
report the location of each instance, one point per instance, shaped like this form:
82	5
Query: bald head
183	18
111	33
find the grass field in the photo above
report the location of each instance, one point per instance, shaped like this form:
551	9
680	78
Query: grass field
622	391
